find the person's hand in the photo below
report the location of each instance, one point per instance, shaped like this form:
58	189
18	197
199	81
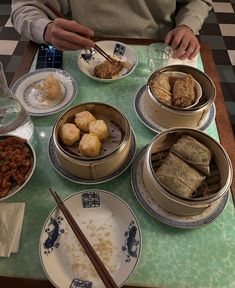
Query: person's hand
68	35
183	42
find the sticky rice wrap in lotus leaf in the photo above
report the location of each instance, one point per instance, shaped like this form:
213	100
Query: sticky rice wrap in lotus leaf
193	152
178	177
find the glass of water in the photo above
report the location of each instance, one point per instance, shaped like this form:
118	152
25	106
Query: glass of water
158	55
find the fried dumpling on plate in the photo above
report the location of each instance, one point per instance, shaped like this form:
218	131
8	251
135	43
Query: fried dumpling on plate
178	177
90	145
99	128
161	88
184	92
83	120
162	80
162	95
107	70
193	152
51	89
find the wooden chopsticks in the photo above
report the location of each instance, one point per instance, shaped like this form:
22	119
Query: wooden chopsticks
96	47
95	260
103	53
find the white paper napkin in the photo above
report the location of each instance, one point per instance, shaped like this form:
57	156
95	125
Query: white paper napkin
188	62
11	220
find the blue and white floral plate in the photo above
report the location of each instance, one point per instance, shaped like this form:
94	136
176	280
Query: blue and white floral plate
152	207
142	114
25	89
111	227
87	61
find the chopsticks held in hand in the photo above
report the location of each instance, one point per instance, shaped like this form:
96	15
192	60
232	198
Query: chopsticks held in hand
97	48
103	53
94	258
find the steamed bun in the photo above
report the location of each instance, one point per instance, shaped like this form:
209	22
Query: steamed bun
83	120
90	145
69	133
99	128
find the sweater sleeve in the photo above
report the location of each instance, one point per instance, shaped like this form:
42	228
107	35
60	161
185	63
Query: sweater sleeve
30	18
192	13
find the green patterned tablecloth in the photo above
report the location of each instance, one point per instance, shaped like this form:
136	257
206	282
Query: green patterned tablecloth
171	257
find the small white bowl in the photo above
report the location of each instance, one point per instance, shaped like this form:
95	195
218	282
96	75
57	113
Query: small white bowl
198	89
117	50
169	116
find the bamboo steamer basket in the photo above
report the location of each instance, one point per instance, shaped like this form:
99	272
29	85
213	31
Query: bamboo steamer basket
169	117
175	204
113	154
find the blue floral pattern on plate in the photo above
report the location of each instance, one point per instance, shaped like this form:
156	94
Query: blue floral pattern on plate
54	232
131	244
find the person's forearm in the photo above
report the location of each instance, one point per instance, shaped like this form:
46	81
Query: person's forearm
193	13
30	18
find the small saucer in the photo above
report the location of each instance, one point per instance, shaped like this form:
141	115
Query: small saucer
76	179
32	98
142	114
142	195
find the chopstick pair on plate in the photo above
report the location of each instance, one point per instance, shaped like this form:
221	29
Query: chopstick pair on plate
94	258
96	47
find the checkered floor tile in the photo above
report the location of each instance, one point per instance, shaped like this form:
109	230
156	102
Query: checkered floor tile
218	30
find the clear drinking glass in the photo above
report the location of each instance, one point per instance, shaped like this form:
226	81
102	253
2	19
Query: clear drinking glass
14	119
158	55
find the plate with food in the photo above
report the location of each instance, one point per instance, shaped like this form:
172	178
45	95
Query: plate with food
109	225
141	112
95	66
171	219
45	91
17	164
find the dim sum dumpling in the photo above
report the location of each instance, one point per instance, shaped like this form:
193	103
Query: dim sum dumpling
193	152
162	95
178	177
83	120
183	92
69	133
162	80
161	88
107	70
90	145
99	128
51	89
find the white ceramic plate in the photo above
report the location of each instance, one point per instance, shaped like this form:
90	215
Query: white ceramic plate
178	74
115	49
142	114
110	226
29	174
58	167
32	98
152	207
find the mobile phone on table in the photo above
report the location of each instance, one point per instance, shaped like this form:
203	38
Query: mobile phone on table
49	57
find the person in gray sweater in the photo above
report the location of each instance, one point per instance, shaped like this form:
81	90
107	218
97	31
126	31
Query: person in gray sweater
174	21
